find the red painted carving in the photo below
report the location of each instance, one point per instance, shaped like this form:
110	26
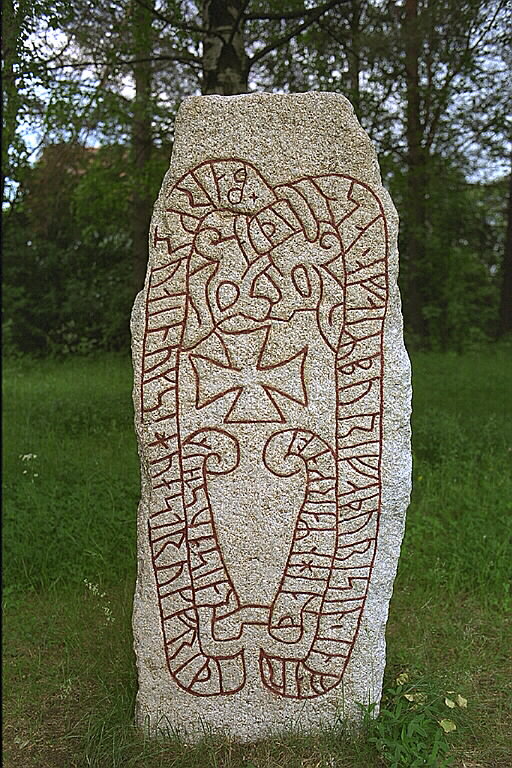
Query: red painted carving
232	276
250	377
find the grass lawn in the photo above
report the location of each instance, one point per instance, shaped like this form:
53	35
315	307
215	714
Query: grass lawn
70	497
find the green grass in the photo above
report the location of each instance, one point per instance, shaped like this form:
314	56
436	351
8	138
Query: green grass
69	516
75	518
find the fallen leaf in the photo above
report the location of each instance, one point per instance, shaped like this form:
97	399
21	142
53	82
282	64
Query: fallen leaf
449	703
409	696
462	702
401	679
447	725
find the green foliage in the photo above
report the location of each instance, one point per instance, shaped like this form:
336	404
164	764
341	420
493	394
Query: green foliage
459	281
460	512
71	473
68	265
67	261
71	74
410	731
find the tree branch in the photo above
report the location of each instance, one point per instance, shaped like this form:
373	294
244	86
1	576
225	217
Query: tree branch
239	19
300	14
172	22
313	15
343	43
184	58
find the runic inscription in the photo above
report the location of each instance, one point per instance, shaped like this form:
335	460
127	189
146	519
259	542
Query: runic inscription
268	306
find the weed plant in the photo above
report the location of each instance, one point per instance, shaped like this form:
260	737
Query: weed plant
70	495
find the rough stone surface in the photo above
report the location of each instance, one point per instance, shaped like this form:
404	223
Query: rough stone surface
272	397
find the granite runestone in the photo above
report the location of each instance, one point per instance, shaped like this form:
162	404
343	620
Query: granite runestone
272	404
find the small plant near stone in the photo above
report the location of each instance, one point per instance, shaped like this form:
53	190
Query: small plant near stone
27	458
413	723
103	601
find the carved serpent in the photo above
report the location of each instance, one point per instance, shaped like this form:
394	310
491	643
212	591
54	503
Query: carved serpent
260	280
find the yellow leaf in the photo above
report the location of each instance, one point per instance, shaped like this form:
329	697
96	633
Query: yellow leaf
409	696
449	703
401	679
447	725
461	701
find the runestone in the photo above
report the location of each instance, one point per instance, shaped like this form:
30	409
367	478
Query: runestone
272	403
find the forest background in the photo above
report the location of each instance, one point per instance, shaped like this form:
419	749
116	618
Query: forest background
91	91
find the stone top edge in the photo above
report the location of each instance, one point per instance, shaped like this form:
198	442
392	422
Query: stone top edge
299	96
270	95
203	120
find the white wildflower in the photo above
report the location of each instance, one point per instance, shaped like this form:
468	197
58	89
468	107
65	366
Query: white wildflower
27	456
106	608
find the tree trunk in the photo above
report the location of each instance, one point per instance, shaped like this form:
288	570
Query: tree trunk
354	55
416	174
505	318
225	63
12	100
142	140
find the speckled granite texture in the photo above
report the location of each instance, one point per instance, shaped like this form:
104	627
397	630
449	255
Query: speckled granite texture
272	396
